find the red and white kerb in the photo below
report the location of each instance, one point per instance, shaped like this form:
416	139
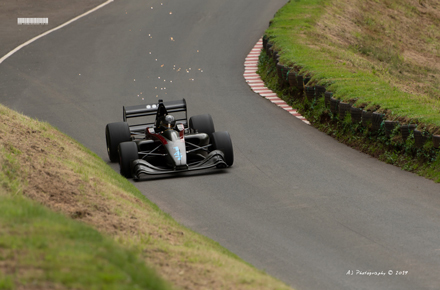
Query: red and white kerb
258	86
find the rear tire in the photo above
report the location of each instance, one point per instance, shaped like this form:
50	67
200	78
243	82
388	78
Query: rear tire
128	151
116	133
202	124
222	141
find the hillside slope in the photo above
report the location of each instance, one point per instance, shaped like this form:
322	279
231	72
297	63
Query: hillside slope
400	38
41	164
375	54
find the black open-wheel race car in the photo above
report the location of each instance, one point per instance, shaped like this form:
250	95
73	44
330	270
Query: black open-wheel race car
170	144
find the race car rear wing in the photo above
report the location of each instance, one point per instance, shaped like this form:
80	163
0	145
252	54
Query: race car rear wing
175	108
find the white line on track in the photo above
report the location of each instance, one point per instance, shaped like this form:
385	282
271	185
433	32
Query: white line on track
52	30
258	86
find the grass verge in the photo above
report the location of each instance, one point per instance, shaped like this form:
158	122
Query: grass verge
43	167
379	55
391	148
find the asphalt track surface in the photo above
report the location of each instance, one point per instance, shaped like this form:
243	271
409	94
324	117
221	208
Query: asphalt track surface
296	203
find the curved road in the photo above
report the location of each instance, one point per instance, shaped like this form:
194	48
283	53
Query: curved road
296	203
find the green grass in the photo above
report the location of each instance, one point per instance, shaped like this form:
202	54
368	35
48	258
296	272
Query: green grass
42	248
366	71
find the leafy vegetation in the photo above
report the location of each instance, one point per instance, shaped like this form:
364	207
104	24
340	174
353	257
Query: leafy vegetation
389	148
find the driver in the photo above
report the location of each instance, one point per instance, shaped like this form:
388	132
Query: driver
167	122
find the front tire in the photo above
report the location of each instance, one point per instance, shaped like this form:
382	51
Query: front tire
128	151
202	124
222	141
116	133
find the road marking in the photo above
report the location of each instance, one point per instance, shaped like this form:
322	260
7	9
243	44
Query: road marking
52	30
258	86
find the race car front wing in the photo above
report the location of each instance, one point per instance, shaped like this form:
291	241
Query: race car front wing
213	159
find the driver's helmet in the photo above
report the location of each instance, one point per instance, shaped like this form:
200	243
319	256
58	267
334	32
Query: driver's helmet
167	122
